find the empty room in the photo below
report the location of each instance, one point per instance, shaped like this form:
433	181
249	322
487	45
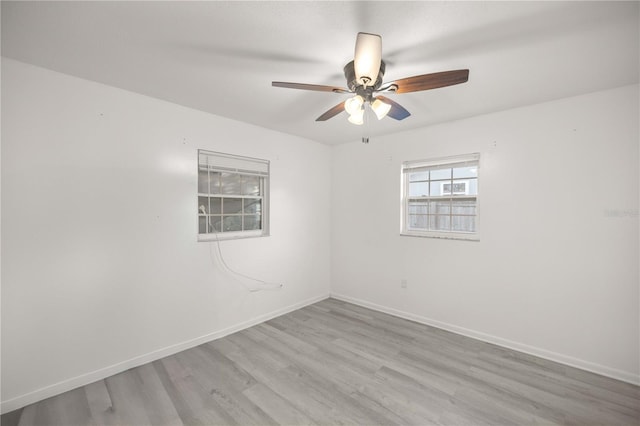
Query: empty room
320	213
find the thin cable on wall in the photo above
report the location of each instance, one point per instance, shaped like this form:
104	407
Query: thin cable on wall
257	285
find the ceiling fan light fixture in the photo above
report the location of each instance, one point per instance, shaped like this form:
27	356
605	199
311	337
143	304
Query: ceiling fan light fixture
381	109
353	105
367	58
357	117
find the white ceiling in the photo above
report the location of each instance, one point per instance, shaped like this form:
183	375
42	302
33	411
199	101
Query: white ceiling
221	57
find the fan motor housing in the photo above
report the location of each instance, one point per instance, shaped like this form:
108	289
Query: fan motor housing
352	82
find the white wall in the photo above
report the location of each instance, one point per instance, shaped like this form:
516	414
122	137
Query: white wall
556	270
101	269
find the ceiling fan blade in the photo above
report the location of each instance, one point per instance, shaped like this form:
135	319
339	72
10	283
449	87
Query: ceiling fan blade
430	81
397	111
315	87
367	58
332	112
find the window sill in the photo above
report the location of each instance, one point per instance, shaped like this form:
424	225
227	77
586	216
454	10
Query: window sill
443	235
231	236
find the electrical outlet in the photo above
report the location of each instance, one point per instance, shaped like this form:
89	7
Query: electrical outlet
403	283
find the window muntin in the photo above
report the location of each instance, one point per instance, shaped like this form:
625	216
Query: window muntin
440	197
232	196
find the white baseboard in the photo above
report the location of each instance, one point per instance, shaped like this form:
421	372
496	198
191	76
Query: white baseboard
603	370
85	379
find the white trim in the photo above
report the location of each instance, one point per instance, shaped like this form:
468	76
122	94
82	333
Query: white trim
231	162
234	235
593	367
90	377
461	236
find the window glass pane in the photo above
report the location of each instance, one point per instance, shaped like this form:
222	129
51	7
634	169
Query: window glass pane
215	223
463	172
418	207
418	189
440	222
203	205
457	187
232	206
436	188
440	207
463	207
203	181
414	177
215	205
473	186
418	221
214	183
252	205
250	185
251	222
230	183
202	225
232	223
441	174
463	223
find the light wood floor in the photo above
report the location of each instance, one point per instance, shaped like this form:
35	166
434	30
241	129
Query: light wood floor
336	363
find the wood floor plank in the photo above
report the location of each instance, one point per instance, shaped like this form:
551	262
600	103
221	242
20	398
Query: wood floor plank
286	339
334	354
193	403
335	384
12	418
303	398
128	405
263	358
334	363
597	381
225	382
583	411
178	396
344	408
69	408
226	345
277	407
515	409
99	400
159	406
27	415
551	381
432	377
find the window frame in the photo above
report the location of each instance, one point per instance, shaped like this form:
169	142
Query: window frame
225	163
442	162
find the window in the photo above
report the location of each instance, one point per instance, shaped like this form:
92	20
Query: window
232	196
440	197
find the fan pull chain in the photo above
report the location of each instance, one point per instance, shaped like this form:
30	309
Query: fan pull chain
365	128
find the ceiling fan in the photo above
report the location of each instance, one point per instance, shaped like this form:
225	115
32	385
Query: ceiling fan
364	78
